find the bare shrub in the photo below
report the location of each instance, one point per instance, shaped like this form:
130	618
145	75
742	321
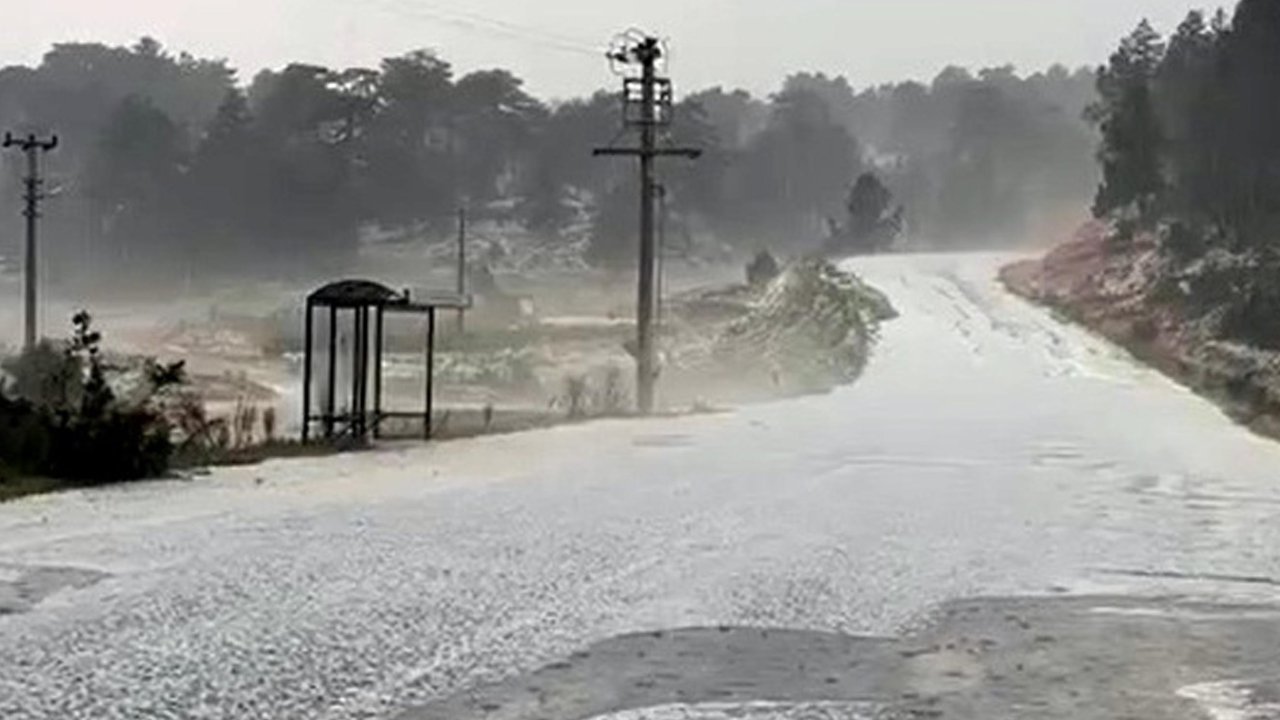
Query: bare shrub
613	393
221	433
268	424
576	390
243	421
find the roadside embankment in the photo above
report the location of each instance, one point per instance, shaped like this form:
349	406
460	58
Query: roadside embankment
1133	296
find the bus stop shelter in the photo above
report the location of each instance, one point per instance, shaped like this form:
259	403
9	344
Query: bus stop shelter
362	305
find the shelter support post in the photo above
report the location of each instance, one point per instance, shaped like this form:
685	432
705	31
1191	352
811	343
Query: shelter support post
306	375
357	372
377	371
332	386
431	372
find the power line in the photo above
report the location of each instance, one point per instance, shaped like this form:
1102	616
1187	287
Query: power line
478	24
530	30
493	27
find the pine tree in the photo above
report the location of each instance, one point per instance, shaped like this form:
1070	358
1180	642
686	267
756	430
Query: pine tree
1131	135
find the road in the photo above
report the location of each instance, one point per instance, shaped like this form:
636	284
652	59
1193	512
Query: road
988	451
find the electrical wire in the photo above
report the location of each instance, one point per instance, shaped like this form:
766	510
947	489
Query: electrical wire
617	136
494	27
579	43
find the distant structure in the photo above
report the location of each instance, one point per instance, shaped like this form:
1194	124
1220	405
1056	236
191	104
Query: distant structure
33	147
647	107
367	303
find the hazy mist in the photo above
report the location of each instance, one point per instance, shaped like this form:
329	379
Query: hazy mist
717	42
756	359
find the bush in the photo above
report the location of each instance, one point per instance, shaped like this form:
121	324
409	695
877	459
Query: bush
61	419
116	446
811	329
26	438
1145	330
1184	242
1251	316
47	376
762	269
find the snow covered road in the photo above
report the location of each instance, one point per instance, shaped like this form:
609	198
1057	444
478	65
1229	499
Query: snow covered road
989	450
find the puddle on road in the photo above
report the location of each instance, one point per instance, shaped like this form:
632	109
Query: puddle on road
1190	576
751	711
976	659
663	441
24	587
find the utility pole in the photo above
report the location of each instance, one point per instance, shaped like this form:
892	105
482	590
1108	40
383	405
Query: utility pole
647	105
462	266
32	146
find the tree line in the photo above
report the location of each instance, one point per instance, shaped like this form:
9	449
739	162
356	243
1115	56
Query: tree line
169	162
1190	155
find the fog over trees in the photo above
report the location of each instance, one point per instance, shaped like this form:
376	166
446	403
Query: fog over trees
175	162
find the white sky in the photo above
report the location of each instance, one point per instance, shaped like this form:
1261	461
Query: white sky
739	43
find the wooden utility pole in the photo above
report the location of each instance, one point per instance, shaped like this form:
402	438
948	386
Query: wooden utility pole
647	103
32	146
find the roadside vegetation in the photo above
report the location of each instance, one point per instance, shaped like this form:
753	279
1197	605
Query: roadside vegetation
72	416
810	329
1180	265
68	414
1190	142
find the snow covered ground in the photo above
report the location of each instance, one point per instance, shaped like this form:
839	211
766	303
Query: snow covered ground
988	450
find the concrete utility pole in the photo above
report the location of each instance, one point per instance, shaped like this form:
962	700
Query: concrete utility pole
462	266
32	146
647	102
